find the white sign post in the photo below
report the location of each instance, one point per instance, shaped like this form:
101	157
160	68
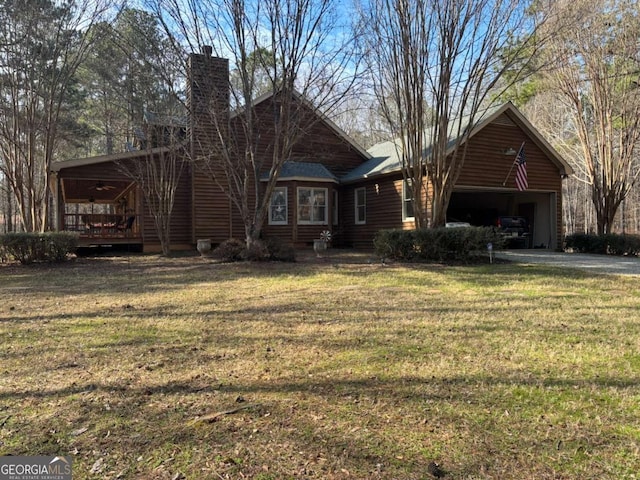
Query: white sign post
490	250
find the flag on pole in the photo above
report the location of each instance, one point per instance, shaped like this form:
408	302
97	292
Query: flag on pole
521	170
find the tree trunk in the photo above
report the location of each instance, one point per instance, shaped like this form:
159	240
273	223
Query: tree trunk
8	218
606	211
439	205
162	223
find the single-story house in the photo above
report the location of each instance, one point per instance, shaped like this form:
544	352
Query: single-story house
328	183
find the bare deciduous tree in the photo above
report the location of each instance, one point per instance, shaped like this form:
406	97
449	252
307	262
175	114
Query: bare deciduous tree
158	175
42	44
553	119
6	205
597	78
434	66
309	61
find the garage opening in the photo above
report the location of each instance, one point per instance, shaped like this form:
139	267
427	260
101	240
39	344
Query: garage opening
484	208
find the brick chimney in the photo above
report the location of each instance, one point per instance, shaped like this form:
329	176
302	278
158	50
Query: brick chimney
208	110
207	101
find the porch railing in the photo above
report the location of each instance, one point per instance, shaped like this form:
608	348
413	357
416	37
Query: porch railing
101	225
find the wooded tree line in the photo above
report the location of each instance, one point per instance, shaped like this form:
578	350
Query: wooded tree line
584	95
79	78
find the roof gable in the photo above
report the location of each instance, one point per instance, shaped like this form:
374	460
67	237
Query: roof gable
321	116
386	159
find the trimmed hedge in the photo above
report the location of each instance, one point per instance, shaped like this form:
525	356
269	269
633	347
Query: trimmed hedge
609	244
38	247
395	244
436	244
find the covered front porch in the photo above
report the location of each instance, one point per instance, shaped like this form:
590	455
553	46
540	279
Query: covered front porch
102	209
101	198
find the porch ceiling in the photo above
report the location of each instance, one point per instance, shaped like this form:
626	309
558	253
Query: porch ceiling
96	191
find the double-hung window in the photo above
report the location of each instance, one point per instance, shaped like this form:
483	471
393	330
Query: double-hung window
312	206
407	201
361	205
278	212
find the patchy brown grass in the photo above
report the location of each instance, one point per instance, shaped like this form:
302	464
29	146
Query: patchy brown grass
148	368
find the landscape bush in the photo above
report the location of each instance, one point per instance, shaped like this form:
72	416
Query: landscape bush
611	244
269	249
280	250
436	244
229	251
396	244
257	252
38	247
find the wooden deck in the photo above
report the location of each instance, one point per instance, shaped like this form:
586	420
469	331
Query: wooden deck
103	229
96	241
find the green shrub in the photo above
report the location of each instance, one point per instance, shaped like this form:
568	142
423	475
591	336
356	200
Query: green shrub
396	244
38	247
632	245
615	244
612	244
59	245
430	244
19	246
585	243
436	244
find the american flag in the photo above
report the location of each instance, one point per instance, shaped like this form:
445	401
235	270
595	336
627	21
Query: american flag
521	171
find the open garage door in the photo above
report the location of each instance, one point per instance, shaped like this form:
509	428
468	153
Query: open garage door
483	208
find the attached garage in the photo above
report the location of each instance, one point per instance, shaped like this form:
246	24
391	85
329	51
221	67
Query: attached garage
485	189
484	207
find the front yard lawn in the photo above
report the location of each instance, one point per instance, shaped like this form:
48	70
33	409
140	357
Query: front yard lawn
149	368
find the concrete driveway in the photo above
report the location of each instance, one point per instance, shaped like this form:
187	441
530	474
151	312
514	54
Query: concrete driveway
608	264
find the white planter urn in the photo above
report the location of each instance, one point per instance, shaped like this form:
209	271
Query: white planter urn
204	246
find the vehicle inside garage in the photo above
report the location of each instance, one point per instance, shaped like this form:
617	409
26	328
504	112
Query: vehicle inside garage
487	208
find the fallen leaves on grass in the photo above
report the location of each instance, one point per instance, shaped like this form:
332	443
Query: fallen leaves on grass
212	417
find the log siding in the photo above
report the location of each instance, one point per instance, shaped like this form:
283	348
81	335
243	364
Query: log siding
203	208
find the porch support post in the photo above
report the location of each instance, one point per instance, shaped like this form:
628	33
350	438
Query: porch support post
57	210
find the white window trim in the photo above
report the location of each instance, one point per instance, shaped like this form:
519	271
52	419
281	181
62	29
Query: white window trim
357	205
404	204
326	206
286	206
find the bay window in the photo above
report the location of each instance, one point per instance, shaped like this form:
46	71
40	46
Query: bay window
312	206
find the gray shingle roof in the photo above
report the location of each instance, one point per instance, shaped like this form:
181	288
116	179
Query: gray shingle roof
386	155
384	159
303	170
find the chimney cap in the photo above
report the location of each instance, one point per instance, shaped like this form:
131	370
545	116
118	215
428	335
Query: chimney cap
207	50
